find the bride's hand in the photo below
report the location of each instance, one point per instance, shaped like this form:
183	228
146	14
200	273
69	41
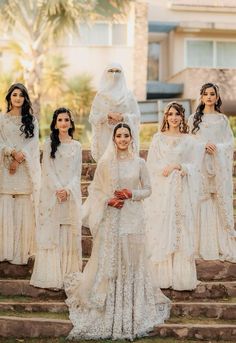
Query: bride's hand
117	203
123	194
13	167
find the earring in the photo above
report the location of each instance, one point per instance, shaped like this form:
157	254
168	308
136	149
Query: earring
131	148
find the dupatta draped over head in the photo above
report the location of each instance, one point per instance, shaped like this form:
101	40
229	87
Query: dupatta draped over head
112	96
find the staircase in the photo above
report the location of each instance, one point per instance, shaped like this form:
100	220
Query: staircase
207	313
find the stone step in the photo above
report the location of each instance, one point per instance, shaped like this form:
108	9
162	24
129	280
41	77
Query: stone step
205	290
206	270
218	310
199	332
32	306
33	327
23	287
215	270
42	327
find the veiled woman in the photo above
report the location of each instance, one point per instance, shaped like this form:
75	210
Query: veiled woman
114	297
59	233
113	103
19	177
171	209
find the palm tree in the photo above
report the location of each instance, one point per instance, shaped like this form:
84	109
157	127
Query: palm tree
38	24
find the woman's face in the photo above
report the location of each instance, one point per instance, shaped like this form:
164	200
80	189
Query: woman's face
209	96
63	122
17	98
122	138
173	118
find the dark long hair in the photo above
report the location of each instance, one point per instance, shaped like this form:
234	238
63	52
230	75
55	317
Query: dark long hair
197	119
55	141
27	117
183	128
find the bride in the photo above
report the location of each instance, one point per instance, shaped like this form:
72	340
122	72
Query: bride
114	297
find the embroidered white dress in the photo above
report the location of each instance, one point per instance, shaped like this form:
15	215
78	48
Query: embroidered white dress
114	297
170	212
59	232
215	236
18	192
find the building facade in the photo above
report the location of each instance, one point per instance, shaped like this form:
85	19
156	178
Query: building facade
192	42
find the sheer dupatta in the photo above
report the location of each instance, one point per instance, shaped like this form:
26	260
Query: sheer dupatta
90	287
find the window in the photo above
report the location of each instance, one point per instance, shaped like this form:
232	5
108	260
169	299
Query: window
153	61
102	34
119	34
97	34
226	54
211	54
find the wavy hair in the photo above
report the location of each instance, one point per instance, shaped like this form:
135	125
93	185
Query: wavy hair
55	140
183	127
27	117
197	119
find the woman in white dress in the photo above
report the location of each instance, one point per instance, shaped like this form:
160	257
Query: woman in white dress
215	230
19	177
114	297
112	104
59	233
170	210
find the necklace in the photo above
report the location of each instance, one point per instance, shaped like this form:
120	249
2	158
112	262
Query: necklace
65	140
123	156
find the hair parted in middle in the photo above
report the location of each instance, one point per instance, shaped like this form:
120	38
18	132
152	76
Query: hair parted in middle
183	128
119	125
55	141
197	119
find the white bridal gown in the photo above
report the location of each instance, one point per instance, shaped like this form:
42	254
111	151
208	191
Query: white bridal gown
114	297
215	238
18	192
170	212
59	235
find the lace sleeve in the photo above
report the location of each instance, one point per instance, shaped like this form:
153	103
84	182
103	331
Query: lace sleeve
145	190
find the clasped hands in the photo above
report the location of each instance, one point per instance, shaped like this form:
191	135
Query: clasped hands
170	168
120	196
210	148
62	195
114	118
18	158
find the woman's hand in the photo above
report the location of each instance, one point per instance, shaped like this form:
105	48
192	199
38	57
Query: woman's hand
114	117
123	194
61	195
117	203
210	148
13	167
18	156
169	169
